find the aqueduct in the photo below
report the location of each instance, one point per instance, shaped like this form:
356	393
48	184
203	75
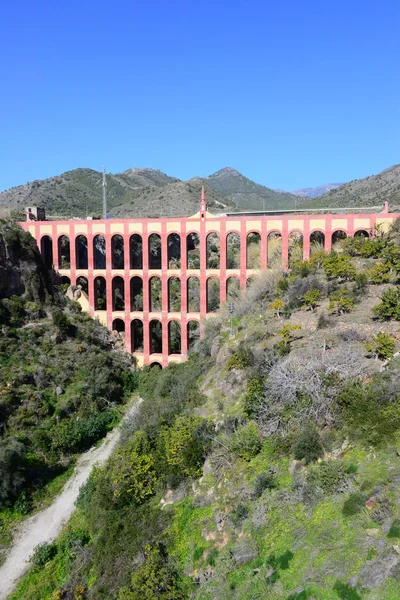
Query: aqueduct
155	279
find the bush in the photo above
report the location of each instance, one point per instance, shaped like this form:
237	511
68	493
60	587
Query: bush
240	360
252	396
341	302
13	471
354	504
246	441
382	345
61	321
308	445
328	475
311	298
184	446
339	265
379	273
264	481
43	553
389	308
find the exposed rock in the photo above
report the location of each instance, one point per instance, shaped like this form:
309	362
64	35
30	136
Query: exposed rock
373	573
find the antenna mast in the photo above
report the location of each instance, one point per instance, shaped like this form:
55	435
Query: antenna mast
104	194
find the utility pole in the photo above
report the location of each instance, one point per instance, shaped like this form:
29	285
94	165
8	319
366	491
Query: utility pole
104	194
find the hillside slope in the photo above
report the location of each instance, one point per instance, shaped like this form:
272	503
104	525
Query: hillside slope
246	194
266	466
319	190
370	191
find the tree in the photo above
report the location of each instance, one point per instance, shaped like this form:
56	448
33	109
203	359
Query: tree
339	265
311	298
277	306
382	345
308	445
389	308
341	302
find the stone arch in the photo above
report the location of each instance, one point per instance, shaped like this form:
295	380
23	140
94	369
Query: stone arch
155	294
253	250
193	294
64	280
274	250
174	251
136	294
118	293
155	251
174	337
317	241
232	288
174	294
193	333
155	365
155	329
81	252
99	252
100	293
337	237
193	250
117	252
136	251
295	247
46	250
213	294
233	250
361	233
213	251
64	252
83	282
137	336
118	325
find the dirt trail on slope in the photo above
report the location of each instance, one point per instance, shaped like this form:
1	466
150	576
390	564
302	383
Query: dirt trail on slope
46	525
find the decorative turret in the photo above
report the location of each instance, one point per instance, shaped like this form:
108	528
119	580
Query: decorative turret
203	203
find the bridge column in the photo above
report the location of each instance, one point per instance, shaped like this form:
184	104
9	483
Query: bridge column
90	267
264	243
108	275
243	254
328	234
146	300
164	293
184	341
306	238
285	244
222	262
203	269
54	243
72	253
127	286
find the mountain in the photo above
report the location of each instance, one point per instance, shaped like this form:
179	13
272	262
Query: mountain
174	199
315	192
246	194
80	192
370	191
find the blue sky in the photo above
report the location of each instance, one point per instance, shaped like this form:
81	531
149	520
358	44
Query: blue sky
292	94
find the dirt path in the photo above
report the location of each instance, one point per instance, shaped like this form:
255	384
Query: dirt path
46	525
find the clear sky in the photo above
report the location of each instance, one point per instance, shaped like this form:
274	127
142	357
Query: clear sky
290	93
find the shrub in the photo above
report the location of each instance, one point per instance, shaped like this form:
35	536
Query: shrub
185	445
264	481
311	298
246	441
277	306
341	302
339	265
252	396
13	471
354	504
240	360
379	273
382	345
308	445
61	321
389	308
43	553
328	475
394	531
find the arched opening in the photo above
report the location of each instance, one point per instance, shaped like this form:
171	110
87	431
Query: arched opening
193	294
174	294
155	294
174	337
295	248
193	333
193	251
99	252
100	295
155	337
118	293
118	325
136	251
65	282
81	252
64	252
82	282
233	251
154	251
337	237
232	288
174	251
213	251
137	335
317	242
155	365
46	250
136	294
253	250
274	250
361	233
213	296
117	252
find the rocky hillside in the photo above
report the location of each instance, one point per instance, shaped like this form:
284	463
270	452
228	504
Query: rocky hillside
266	466
315	192
246	194
370	191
